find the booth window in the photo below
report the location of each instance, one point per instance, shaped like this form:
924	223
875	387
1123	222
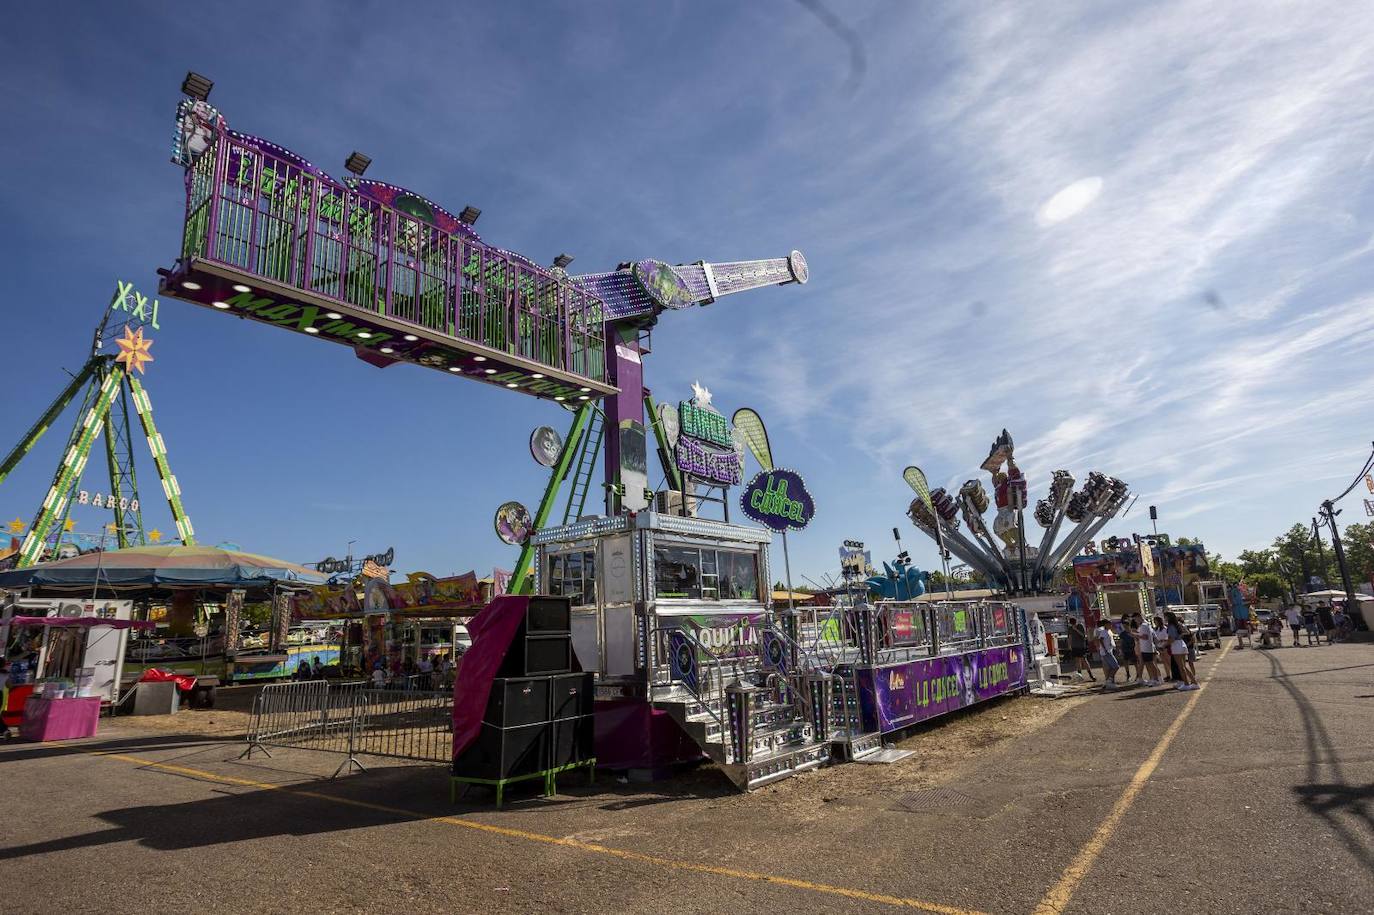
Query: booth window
705	574
574	575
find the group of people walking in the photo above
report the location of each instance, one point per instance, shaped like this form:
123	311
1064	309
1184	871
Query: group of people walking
1159	648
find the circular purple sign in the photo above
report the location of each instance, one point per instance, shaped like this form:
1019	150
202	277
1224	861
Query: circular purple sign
513	523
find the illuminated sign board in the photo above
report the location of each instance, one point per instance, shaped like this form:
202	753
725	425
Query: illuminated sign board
705	447
778	500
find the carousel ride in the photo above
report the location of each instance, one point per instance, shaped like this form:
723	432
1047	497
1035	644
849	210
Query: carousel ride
1014	564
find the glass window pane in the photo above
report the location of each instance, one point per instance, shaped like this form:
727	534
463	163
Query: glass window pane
588	578
677	572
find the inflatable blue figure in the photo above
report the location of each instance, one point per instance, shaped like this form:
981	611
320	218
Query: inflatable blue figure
904	583
1240	610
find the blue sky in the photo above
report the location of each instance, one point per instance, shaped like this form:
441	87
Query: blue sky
1138	236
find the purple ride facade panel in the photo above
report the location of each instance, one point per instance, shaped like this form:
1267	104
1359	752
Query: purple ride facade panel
897	696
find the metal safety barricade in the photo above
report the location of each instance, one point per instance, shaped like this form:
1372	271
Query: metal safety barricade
352	719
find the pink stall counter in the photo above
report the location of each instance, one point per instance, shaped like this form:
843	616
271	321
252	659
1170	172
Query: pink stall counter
60	719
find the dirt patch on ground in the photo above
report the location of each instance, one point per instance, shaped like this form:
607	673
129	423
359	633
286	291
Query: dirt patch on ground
200	722
945	750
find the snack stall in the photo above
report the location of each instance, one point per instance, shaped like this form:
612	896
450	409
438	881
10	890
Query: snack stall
66	657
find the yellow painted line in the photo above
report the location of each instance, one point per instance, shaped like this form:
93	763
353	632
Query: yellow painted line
591	847
1057	899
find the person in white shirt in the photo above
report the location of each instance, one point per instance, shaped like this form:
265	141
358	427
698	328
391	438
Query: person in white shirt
1104	640
1294	623
1145	644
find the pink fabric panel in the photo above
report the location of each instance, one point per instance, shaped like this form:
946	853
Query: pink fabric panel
492	632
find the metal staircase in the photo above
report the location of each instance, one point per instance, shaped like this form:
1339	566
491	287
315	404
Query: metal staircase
761	716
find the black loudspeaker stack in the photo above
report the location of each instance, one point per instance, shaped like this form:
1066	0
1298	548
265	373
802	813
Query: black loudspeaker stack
539	714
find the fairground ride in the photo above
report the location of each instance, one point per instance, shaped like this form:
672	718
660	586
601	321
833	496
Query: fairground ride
107	384
1015	566
270	237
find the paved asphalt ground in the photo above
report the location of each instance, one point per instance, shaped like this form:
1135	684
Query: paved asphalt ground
1254	794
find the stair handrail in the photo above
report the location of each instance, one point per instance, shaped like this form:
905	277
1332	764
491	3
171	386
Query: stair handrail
821	625
820	667
700	648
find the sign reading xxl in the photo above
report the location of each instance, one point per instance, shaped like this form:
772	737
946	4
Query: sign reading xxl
778	500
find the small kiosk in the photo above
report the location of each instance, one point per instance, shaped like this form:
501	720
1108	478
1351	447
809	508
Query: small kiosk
69	655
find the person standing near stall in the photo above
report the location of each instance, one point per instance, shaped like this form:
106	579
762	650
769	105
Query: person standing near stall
4	696
1294	623
1105	643
1145	644
1129	657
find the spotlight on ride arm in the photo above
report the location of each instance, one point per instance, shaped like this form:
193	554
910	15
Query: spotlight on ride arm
563	260
197	86
469	215
357	163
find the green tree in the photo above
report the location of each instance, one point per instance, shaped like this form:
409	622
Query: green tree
1296	551
1358	541
1268	585
1255	562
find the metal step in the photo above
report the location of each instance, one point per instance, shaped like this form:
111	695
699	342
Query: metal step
776	766
851	747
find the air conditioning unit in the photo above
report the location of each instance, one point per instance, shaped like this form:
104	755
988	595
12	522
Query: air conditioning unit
36	606
669	502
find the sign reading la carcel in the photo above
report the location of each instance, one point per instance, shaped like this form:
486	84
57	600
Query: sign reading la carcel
778	500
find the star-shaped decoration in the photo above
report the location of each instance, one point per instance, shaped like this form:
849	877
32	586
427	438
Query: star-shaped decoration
700	396
133	350
69	525
155	535
16	526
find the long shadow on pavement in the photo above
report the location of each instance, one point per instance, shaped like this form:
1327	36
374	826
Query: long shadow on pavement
19	750
1326	799
378	797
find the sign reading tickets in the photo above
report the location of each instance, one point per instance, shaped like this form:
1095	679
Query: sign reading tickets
778	500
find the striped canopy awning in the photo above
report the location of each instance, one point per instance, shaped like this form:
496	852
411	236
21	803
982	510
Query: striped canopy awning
145	567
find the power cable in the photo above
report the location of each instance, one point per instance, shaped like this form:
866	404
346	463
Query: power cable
1368	465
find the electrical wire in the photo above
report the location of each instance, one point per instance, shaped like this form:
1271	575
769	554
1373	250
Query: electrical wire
1368	466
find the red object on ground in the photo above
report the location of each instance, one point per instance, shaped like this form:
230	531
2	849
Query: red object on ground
492	631
59	719
185	683
13	712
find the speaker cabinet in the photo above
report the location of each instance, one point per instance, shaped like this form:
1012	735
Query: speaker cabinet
538	655
549	616
571	740
570	695
516	701
505	752
548	654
